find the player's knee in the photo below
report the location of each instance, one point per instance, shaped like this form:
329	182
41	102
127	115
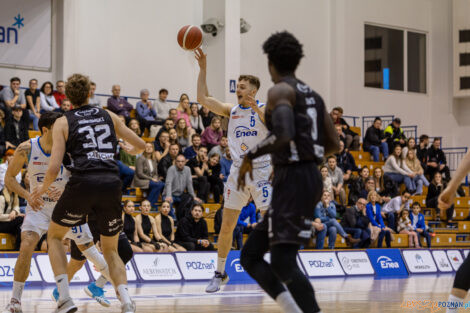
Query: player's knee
126	253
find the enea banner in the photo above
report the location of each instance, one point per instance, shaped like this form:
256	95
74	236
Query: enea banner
25	33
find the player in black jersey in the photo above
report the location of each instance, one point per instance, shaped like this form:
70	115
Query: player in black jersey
301	133
88	136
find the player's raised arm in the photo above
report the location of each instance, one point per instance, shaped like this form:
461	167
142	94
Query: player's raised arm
203	97
20	158
124	132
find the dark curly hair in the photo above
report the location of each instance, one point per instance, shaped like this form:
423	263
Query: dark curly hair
284	51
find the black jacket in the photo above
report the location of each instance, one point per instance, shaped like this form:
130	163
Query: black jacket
191	231
353	218
373	137
436	155
346	162
164	165
10	131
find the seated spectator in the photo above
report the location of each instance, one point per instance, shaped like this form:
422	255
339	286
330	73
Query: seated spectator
166	228
345	162
369	186
336	175
357	184
226	164
48	101
215	177
130	230
199	172
10	217
415	166
2	140
162	146
183	132
375	141
65	106
4	166
147	229
168	160
405	227
173	137
118	104
422	151
173	114
183	110
212	134
378	229
179	189
326	212
435	188
419	225
192	232
410	145
93	100
12	96
167	125
395	168
341	135
33	100
145	112
395	134
191	151
59	94
196	119
394	207
16	128
356	223
384	186
437	161
126	164
352	139
135	126
319	231
207	116
161	106
146	175
222	148
247	221
327	184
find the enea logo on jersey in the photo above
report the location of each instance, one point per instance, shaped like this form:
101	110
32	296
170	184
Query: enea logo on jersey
243	131
9	34
89	112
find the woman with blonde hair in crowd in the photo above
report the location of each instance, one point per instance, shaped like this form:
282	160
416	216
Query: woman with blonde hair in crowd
212	134
327	184
415	166
196	119
173	136
166	227
134	125
410	145
378	229
183	110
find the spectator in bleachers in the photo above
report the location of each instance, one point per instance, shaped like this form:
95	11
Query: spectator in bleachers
196	119
126	164
384	186
66	106
207	116
184	133
16	128
93	100
161	106
48	101
145	112
392	209
199	170
395	168
59	94
134	125
415	166
2	140
319	231
345	162
173	137
435	188
118	104
327	184
247	221
183	110
147	229
326	212
10	217
173	114
130	230
341	135
394	134
33	99
179	189
212	134
369	186
225	165
162	146
352	139
215	177
378	230
410	145
405	227
419	225
191	151
222	148
357	184
336	175
375	141
192	232
167	125
12	96
422	151
166	227
4	166
356	223
437	161
168	160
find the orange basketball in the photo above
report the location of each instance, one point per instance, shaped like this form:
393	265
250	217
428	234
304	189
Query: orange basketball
190	37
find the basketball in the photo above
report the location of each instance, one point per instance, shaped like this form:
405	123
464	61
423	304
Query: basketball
190	37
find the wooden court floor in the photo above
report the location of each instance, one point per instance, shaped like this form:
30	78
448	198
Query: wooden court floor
360	294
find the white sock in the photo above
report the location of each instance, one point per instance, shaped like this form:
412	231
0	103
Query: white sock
63	287
98	260
101	281
123	294
17	290
221	265
287	303
456	300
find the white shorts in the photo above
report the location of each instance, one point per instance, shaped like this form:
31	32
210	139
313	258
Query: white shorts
259	188
38	222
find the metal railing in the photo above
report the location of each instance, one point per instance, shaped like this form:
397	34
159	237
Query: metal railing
454	156
369	120
410	131
350	118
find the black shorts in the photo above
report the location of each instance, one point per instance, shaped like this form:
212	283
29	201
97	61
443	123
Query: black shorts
97	193
297	188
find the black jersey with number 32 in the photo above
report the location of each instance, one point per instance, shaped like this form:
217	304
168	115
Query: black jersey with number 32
308	143
91	143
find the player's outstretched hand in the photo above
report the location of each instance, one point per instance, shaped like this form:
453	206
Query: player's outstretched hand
201	58
251	101
246	167
35	200
54	193
446	198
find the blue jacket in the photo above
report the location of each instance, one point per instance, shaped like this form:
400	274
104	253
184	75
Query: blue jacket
247	211
225	164
144	112
420	224
377	219
189	152
325	214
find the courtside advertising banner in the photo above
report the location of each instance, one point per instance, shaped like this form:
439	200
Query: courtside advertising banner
355	263
465	253
235	270
197	265
442	262
25	33
455	258
7	266
387	262
320	264
157	267
48	275
419	261
130	272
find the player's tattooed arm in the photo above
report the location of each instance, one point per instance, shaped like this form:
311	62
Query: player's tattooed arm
20	158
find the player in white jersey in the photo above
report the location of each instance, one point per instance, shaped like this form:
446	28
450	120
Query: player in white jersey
246	129
35	153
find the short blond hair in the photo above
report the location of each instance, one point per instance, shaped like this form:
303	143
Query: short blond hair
370	194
